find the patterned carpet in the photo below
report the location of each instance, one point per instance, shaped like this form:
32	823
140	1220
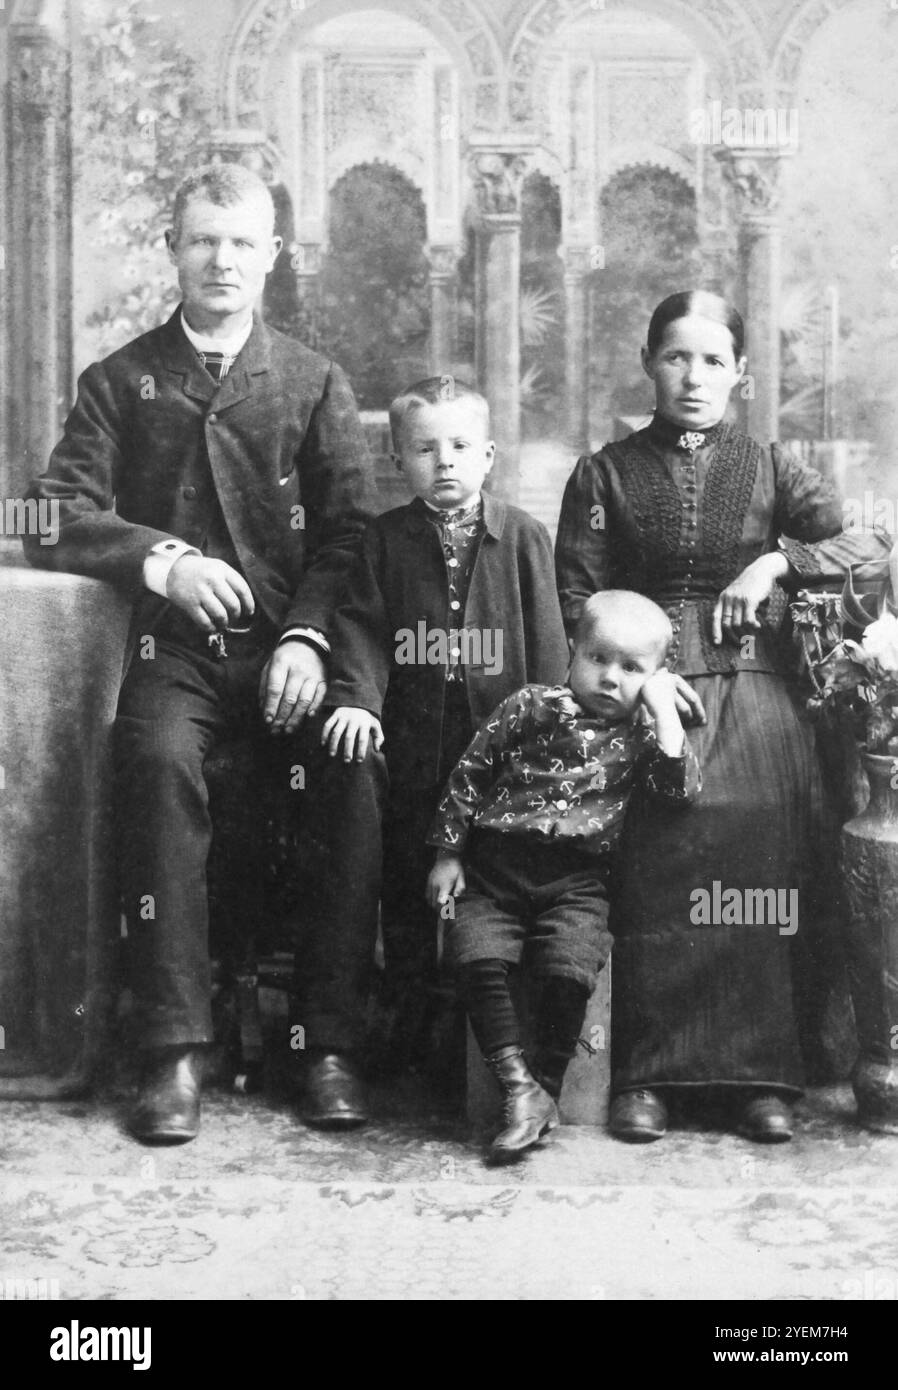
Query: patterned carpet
261	1208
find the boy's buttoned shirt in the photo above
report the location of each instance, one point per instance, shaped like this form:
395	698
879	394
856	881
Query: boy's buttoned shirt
541	766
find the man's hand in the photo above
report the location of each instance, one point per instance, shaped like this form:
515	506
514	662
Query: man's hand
667	697
355	728
446	879
292	685
737	606
212	594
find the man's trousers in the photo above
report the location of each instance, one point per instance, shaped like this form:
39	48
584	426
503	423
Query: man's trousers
173	710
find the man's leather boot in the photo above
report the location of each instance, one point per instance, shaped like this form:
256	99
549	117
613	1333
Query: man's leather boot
167	1108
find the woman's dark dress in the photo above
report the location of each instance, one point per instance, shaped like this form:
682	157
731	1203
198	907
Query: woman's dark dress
694	1003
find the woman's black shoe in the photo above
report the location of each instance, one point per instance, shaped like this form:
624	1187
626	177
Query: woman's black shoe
638	1117
767	1119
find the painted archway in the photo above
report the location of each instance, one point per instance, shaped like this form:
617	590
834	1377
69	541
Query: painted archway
721	29
267	25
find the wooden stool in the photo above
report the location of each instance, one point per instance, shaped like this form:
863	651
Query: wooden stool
587	1084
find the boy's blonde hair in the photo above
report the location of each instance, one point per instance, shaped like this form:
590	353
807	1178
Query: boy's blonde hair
433	390
642	613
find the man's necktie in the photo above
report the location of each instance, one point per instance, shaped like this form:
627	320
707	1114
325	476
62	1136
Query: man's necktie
217	364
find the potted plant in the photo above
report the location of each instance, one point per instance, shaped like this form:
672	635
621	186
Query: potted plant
852	649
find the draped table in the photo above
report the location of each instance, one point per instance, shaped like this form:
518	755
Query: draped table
62	648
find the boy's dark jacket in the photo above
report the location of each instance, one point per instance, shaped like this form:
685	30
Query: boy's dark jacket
400	580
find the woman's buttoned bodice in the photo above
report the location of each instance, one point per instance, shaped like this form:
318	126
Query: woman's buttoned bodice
680	524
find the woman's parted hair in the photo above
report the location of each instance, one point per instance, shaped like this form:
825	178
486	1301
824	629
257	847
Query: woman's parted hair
709	306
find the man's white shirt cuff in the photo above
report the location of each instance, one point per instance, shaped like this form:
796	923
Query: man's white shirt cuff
158	564
312	635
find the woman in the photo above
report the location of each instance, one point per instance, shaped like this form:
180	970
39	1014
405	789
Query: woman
708	522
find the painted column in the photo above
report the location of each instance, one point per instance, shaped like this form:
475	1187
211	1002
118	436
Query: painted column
39	256
578	265
305	262
443	307
754	176
6	335
498	174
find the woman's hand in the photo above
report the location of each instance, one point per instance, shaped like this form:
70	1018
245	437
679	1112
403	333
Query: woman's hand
737	608
668	699
664	691
689	705
446	879
354	728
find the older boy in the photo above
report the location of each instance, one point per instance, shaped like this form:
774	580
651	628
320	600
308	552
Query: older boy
544	787
217	472
451	606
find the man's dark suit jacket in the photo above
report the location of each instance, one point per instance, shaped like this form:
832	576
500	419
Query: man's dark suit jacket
399	580
284	444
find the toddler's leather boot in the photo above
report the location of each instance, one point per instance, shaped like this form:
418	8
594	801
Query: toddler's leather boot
528	1111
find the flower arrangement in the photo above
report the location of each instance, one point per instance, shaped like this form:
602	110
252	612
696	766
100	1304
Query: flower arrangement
851	649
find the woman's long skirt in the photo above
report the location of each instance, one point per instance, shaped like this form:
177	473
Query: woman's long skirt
703	949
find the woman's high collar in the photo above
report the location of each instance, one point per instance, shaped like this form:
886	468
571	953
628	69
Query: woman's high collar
668	434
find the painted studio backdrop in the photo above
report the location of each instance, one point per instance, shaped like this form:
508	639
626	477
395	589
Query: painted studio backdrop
501	190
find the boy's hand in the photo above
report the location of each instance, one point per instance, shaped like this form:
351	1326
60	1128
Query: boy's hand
667	697
446	879
355	728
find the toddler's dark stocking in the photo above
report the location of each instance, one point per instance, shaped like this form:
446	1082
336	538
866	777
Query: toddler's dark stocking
559	1019
483	985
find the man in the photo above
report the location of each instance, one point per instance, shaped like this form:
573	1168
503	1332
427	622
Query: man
235	462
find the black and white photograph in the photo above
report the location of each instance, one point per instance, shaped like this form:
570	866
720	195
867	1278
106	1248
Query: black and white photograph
449	661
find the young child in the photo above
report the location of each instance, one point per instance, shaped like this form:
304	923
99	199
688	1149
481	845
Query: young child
525	833
451	606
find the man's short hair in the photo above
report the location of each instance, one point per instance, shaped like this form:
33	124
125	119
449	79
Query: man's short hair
433	390
221	184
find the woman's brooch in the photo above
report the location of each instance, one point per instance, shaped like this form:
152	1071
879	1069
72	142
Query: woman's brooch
690	441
